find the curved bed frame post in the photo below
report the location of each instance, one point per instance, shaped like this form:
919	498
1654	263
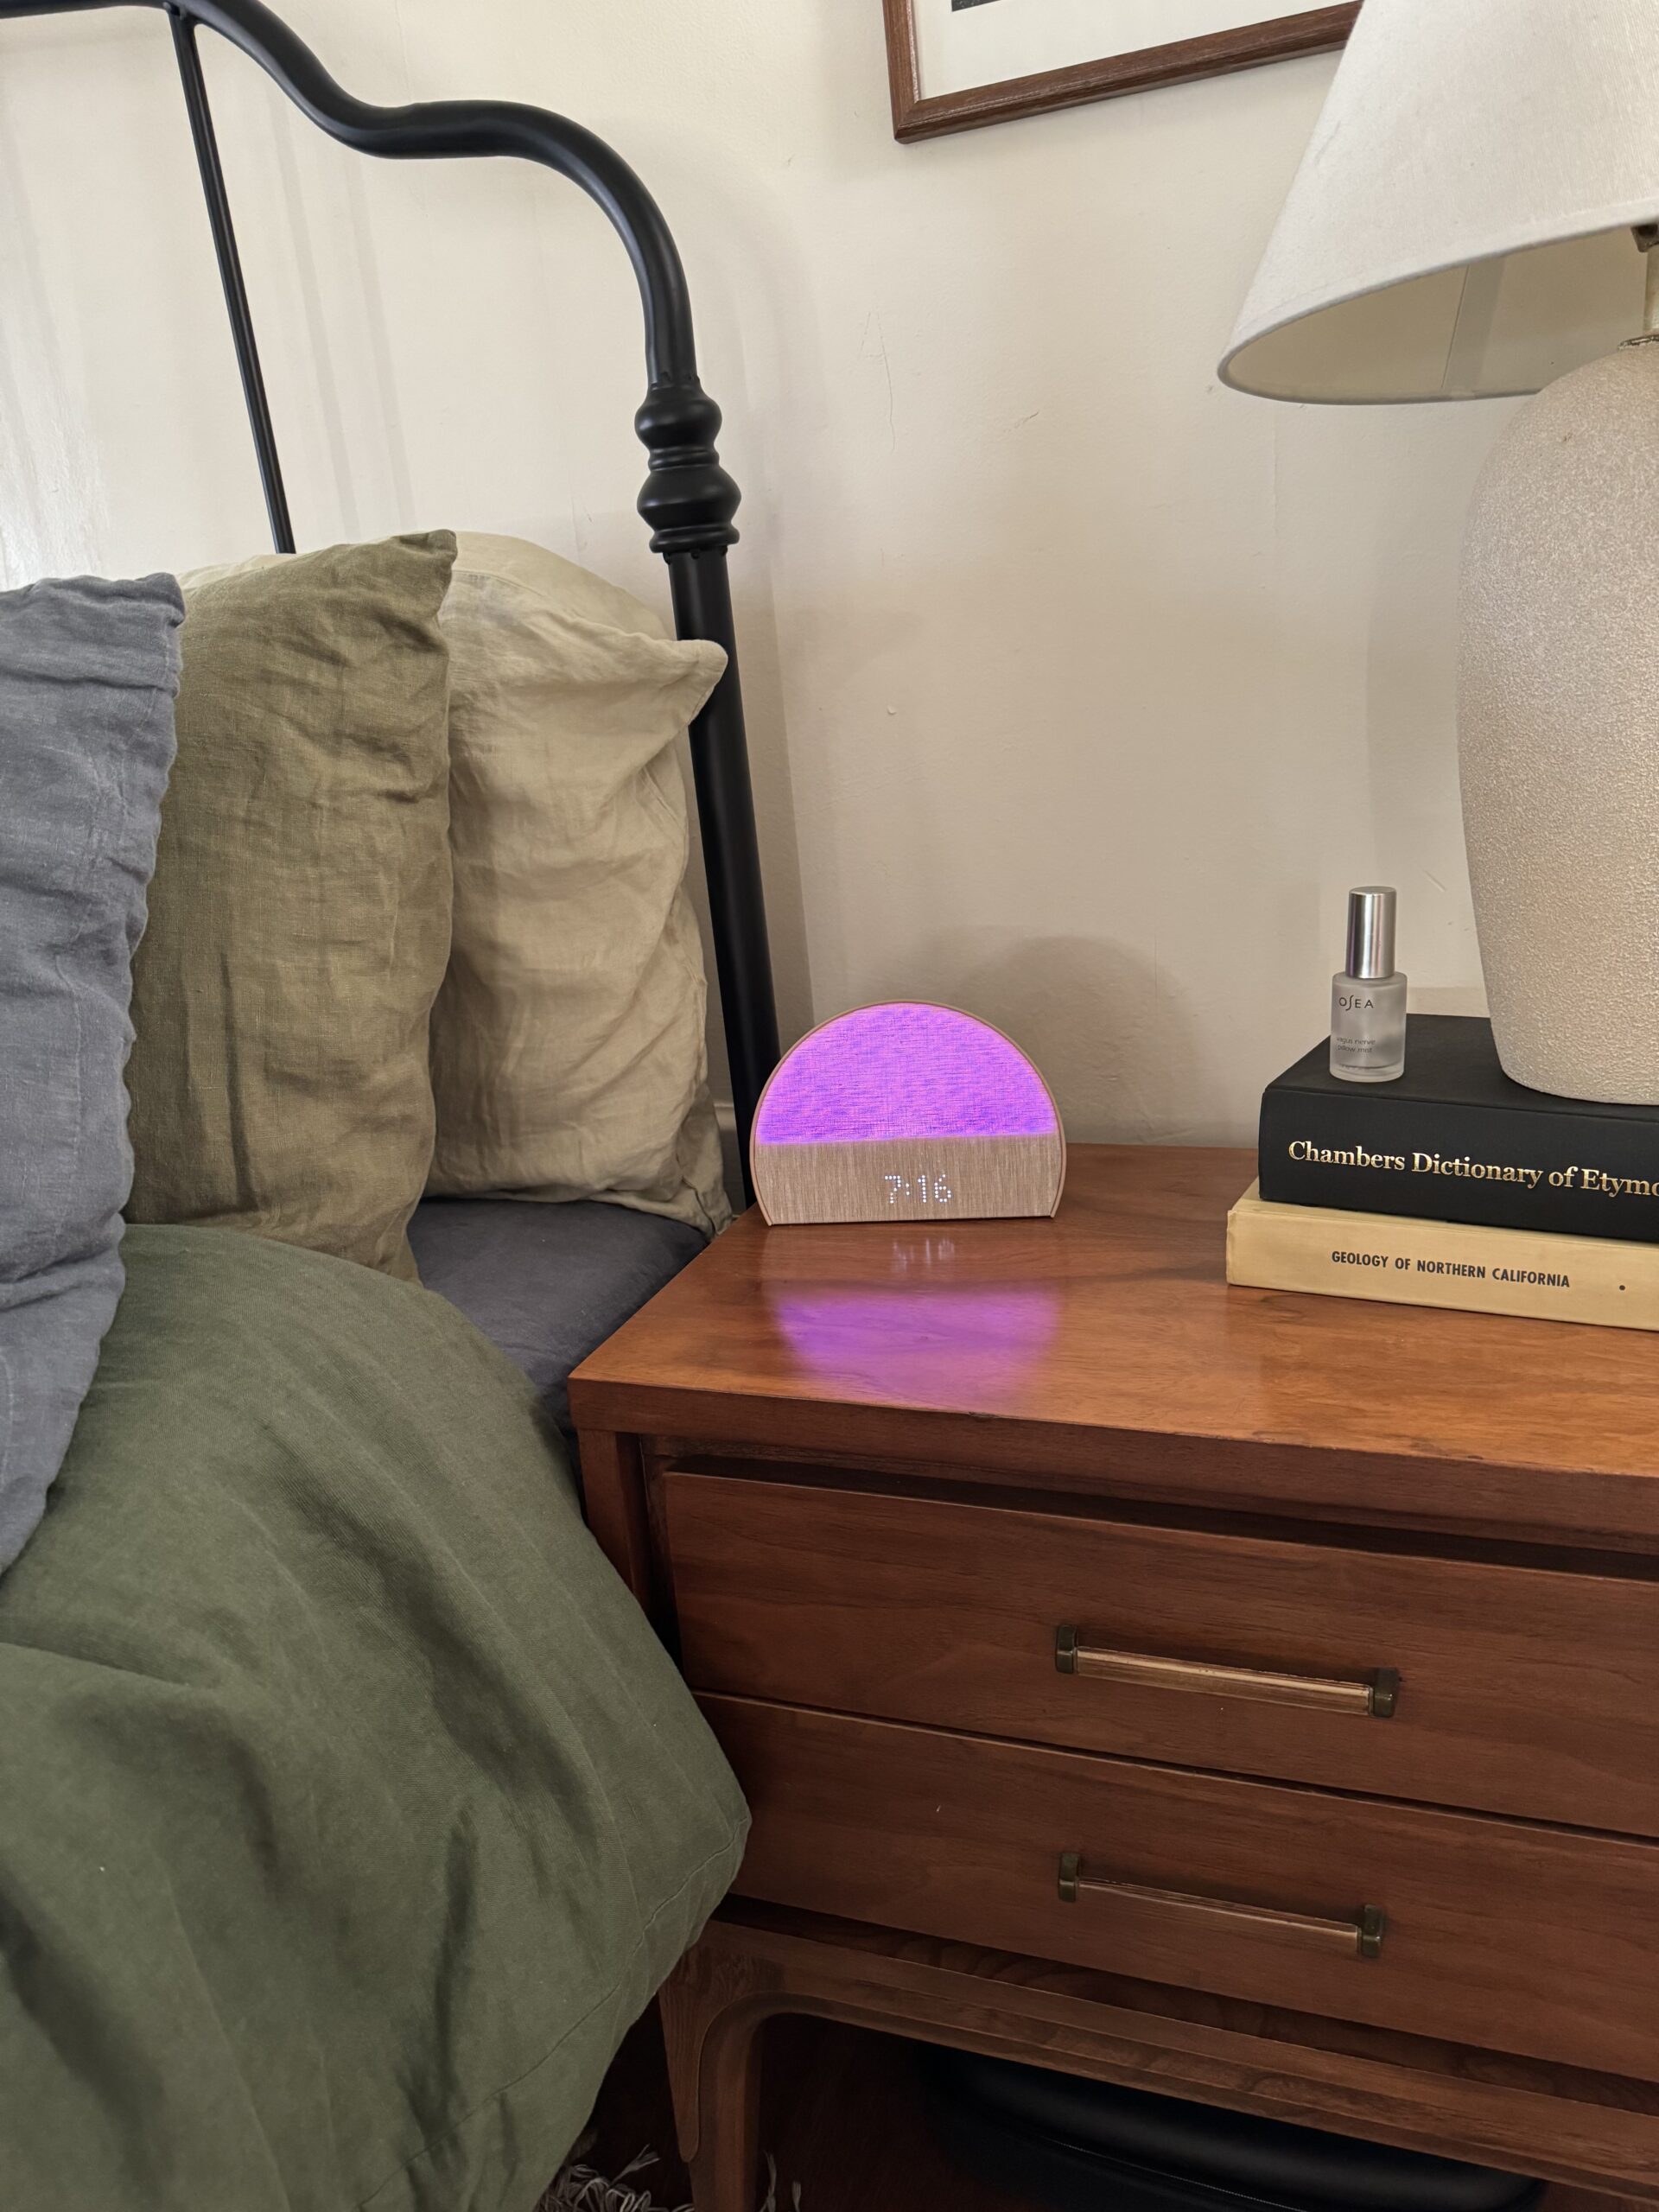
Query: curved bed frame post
689	499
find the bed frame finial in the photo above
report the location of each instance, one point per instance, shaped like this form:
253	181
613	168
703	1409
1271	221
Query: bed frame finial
688	499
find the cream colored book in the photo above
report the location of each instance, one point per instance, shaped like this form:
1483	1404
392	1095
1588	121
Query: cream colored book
1409	1263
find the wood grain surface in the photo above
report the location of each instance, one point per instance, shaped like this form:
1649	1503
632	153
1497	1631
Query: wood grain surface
1104	1352
1535	1940
861	1475
1521	1691
934	1179
842	2119
756	1963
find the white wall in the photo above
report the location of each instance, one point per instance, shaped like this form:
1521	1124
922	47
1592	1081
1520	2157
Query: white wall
1080	689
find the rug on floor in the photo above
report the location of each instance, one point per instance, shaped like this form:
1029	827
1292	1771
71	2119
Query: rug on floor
582	2189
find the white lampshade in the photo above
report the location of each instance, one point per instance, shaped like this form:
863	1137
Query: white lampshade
1460	226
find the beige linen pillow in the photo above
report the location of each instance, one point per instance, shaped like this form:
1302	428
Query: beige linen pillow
299	917
568	1058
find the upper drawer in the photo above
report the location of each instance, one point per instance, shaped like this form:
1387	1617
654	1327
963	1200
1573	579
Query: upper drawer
1520	1690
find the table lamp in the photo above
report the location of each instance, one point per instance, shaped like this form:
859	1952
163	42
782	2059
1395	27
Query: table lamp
1471	221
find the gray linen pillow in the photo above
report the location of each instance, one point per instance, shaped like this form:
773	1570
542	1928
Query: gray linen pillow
88	674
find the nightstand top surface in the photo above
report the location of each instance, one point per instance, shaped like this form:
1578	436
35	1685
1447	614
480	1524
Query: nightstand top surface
1106	1346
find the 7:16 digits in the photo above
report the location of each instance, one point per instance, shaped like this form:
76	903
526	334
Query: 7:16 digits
929	1190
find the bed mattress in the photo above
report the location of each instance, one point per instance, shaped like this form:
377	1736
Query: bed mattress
547	1284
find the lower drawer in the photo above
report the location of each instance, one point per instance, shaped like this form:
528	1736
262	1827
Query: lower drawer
1508	1937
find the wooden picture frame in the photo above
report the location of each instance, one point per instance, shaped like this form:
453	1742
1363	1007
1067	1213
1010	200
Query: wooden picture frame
917	115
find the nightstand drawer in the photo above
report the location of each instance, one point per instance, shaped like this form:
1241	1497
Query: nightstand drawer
1451	1680
1511	1938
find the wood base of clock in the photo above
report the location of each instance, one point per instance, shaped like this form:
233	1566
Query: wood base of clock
939	1178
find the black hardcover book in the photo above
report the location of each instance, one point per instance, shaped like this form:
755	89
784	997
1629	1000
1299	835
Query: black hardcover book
1454	1140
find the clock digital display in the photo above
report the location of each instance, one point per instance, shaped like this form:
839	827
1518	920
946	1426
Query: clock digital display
922	1190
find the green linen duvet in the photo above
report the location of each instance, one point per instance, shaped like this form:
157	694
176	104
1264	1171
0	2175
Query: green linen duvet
349	1811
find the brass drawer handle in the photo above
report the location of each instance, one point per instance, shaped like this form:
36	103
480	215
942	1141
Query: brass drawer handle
1359	1938
1375	1698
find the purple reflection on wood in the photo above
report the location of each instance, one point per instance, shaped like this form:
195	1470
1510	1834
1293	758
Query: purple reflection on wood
904	1070
969	1346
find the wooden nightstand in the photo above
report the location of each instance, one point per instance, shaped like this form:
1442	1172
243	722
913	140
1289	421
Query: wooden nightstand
1251	1697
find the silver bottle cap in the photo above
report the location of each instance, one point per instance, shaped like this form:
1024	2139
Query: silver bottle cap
1370	932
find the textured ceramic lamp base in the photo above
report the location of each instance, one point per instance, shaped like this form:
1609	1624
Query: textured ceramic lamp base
1559	731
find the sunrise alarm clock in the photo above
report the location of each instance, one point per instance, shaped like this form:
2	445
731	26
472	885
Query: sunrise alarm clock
906	1112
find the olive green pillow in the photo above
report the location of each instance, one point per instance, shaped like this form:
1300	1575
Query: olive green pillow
299	917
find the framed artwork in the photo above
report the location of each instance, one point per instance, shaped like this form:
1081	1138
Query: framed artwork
956	64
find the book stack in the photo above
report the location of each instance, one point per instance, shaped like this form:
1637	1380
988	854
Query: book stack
1453	1186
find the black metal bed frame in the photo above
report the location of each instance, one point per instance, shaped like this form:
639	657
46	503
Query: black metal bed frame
689	499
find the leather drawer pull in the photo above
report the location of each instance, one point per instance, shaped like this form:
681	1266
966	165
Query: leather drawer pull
1373	1699
1360	1938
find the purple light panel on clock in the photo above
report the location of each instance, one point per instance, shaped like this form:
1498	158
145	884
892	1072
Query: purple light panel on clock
887	1073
